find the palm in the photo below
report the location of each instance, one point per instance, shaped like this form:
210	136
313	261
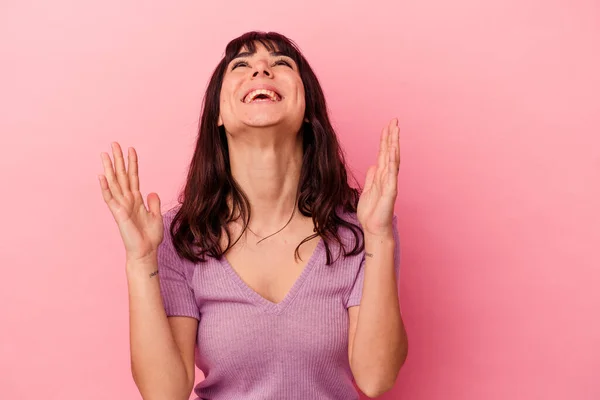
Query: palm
141	229
376	204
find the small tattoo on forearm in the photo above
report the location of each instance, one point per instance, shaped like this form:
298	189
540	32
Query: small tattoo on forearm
154	273
369	255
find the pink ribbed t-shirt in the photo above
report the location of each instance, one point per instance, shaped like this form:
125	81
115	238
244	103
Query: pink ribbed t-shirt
250	348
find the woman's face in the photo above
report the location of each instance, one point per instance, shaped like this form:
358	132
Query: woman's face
261	90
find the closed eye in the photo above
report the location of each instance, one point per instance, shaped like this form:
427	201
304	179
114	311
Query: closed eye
282	62
239	64
277	62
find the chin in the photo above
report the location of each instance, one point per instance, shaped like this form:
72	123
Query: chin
264	121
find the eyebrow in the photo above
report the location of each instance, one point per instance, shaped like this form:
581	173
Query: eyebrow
249	54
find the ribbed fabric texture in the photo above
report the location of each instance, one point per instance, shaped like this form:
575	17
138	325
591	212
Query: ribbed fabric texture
252	349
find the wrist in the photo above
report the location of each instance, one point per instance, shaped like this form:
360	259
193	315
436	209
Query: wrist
377	247
146	267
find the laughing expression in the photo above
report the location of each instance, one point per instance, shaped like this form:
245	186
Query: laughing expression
261	89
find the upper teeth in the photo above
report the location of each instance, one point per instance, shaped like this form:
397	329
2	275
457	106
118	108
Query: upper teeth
252	95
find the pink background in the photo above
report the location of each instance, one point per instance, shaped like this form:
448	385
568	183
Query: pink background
499	189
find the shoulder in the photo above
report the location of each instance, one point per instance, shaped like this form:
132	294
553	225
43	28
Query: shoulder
349	229
168	218
169	215
167	244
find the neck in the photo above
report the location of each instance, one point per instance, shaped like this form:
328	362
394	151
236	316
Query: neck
268	172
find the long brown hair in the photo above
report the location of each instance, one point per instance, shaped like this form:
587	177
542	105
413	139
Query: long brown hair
323	189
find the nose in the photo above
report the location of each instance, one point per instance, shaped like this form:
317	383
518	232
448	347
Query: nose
262	69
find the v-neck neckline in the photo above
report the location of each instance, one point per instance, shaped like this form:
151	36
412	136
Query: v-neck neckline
264	303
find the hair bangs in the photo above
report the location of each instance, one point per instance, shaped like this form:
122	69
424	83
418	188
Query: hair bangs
272	41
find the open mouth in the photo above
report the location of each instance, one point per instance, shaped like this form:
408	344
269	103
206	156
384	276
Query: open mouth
262	96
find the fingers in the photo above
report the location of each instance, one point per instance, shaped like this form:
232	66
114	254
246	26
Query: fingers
109	173
120	182
383	152
122	177
394	156
132	170
106	193
154	204
395	140
369	179
392	173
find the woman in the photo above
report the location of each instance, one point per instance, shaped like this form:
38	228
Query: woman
272	270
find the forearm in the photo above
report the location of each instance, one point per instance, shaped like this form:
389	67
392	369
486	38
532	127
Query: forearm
156	364
380	344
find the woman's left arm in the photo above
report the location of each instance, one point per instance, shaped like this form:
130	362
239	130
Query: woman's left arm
377	339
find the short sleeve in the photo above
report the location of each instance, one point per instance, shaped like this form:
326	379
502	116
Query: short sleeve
357	288
177	294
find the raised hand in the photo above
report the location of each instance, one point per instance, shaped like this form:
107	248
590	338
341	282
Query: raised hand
141	229
376	203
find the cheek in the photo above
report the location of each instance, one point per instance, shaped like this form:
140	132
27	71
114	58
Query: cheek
300	95
228	88
226	102
223	103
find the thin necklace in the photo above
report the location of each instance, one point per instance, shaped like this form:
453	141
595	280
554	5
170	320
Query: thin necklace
273	234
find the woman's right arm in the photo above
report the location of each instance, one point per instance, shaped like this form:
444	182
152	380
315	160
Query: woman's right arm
162	349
